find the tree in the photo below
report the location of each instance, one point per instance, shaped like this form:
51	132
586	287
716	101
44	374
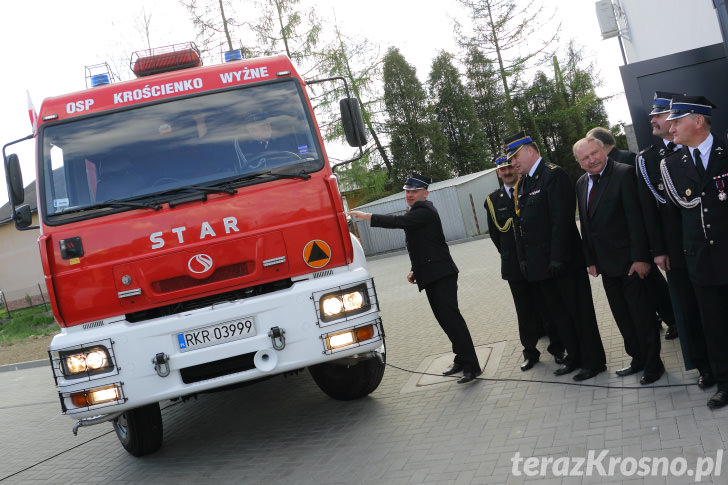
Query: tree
502	30
281	27
212	21
340	59
488	99
562	109
455	111
416	139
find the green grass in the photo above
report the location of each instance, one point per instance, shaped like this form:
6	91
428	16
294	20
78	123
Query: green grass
25	323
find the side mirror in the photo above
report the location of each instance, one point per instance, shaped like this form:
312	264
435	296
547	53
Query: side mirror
15	179
353	122
23	217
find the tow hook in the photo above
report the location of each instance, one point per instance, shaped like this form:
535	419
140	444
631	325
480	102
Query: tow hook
161	364
277	338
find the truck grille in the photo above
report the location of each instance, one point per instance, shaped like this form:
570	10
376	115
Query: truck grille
218	368
166	310
183	282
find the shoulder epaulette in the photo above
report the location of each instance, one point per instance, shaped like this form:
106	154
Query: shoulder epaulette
647	149
551	165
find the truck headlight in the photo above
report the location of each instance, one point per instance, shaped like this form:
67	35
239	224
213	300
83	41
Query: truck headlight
346	302
85	361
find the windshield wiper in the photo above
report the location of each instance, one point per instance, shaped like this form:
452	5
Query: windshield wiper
268	174
112	203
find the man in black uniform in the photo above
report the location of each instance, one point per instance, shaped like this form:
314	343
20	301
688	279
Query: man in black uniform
664	231
615	245
657	289
501	210
433	270
696	178
550	254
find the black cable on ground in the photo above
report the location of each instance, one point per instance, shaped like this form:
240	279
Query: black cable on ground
67	450
506	379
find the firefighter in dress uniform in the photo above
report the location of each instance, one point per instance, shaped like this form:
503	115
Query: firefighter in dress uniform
696	180
533	321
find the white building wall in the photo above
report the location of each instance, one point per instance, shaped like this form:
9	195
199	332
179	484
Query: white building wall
656	28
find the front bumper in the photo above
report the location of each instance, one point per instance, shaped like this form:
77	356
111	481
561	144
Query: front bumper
147	364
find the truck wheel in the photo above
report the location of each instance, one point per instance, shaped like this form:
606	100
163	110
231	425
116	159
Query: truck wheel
140	430
347	382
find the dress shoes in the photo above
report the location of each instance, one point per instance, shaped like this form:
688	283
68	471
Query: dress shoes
454	369
671	332
585	374
628	371
560	357
468	377
650	378
706	380
529	363
565	369
718	400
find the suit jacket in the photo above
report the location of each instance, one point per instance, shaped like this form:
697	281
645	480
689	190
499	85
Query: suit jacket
662	218
705	227
546	227
614	236
622	156
504	209
426	244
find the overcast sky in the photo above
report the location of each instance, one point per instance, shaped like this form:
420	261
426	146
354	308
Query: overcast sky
48	43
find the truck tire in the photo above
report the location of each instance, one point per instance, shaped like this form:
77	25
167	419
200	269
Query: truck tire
140	430
348	382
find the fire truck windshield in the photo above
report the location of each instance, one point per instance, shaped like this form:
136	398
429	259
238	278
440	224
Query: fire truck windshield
154	150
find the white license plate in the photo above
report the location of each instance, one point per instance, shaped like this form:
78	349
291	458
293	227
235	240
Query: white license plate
216	334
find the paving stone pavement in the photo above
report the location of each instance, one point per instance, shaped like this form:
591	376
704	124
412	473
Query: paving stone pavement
285	430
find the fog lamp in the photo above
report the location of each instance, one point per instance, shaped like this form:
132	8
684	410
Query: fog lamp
99	395
341	339
349	337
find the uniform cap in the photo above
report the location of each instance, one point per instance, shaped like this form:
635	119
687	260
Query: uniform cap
515	142
685	105
502	161
661	103
416	181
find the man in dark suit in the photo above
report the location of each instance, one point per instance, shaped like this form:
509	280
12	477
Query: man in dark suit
615	246
657	289
532	316
664	232
696	177
550	255
433	270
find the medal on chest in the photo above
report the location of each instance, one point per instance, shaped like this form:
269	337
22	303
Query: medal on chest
720	185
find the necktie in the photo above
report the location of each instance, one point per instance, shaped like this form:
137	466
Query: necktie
595	180
510	191
699	163
671	146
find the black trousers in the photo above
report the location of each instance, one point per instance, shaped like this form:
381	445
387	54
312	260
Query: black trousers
634	314
443	297
713	303
659	294
689	323
531	321
569	302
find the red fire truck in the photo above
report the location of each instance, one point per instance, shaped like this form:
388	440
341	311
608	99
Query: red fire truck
193	238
